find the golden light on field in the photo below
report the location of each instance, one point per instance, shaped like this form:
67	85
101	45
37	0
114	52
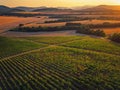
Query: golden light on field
58	3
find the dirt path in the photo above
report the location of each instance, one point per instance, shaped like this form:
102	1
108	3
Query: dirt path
53	45
31	51
90	50
23	53
37	34
44	34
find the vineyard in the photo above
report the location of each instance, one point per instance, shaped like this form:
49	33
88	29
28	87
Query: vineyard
14	46
59	63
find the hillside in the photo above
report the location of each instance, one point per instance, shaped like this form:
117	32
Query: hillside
51	9
25	8
103	8
4	9
82	7
16	10
59	63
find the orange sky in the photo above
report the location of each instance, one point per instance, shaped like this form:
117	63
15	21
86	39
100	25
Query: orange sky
58	3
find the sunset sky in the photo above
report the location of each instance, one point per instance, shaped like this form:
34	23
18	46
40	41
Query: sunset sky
57	3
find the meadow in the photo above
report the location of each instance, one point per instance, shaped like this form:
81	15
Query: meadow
14	46
59	63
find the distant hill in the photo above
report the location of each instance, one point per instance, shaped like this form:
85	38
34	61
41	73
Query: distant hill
51	9
4	9
25	8
112	7
29	8
81	7
103	8
16	10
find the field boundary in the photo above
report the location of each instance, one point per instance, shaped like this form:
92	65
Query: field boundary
90	50
54	45
60	44
23	53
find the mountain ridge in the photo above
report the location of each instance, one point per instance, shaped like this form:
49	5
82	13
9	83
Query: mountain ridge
103	8
4	9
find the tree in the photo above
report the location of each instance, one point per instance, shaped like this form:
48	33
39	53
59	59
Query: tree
115	37
20	25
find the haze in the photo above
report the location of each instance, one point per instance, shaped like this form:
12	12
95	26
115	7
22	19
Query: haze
58	3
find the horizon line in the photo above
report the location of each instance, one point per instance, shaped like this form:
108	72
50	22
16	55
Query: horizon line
61	6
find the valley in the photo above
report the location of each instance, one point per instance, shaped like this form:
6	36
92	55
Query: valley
60	48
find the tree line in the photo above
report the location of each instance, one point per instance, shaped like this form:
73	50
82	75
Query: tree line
80	28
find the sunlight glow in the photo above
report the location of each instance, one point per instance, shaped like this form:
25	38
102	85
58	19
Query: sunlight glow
58	3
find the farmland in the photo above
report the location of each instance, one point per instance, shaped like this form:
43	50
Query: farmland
54	63
57	45
111	30
13	46
63	23
106	30
7	22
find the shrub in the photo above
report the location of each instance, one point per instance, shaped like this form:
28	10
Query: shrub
20	25
106	23
69	26
73	24
37	29
86	30
115	37
99	33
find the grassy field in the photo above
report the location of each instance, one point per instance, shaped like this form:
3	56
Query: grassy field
106	30
53	40
64	63
14	46
63	23
99	45
111	30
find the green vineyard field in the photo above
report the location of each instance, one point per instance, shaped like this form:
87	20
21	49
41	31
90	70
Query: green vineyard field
59	63
14	46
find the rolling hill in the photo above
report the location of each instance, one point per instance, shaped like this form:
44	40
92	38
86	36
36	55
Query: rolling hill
51	9
103	8
29	8
25	8
44	8
82	7
59	63
4	9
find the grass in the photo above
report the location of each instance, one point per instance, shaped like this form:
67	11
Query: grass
11	46
63	66
94	44
53	40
